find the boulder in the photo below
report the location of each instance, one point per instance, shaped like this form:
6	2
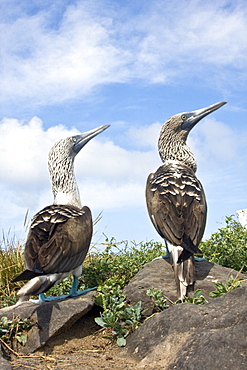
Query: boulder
159	274
49	318
192	337
188	336
4	364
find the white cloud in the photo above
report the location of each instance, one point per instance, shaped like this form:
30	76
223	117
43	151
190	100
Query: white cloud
58	64
50	56
24	149
109	177
214	143
146	136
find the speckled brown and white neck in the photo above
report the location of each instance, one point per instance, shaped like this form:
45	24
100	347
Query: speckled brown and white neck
61	169
172	145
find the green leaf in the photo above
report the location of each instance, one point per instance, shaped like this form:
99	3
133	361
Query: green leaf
121	342
99	300
100	322
198	293
21	339
3	321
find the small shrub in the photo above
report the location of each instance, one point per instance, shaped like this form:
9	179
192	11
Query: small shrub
118	262
117	315
14	329
222	288
61	288
157	298
227	246
197	298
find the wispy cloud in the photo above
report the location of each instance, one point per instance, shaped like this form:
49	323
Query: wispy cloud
52	54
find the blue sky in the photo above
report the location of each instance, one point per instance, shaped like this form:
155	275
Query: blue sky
70	66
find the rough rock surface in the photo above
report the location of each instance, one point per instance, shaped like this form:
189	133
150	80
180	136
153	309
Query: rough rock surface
191	337
4	364
50	318
159	274
187	336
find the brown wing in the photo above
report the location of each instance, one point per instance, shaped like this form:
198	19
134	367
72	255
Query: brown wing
176	204
59	239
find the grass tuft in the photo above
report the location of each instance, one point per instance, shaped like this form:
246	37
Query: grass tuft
11	262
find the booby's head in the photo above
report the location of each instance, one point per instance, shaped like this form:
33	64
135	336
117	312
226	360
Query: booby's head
174	133
69	147
61	166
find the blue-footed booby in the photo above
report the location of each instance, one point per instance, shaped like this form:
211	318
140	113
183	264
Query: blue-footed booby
60	234
175	197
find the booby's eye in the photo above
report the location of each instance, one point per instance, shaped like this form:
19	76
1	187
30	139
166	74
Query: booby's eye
74	139
183	117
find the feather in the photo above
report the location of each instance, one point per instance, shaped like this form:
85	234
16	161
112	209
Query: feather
175	197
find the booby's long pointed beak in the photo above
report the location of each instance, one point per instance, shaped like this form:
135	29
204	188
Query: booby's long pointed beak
83	139
195	116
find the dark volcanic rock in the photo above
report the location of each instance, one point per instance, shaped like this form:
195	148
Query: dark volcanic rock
4	364
159	274
186	336
191	337
50	318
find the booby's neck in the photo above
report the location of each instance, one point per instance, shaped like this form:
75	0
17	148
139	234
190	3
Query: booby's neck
63	182
173	148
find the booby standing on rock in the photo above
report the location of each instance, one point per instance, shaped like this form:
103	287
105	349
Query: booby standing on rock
60	234
175	198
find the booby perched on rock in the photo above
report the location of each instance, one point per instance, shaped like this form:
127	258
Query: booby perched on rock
60	234
175	198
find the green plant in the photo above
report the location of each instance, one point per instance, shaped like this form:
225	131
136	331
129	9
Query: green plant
197	298
61	288
222	288
16	328
117	315
227	246
157	298
118	262
111	269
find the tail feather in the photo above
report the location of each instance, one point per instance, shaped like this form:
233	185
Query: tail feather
27	275
188	246
36	286
184	271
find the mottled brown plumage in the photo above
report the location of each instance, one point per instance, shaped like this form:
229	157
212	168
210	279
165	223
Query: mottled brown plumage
175	197
59	239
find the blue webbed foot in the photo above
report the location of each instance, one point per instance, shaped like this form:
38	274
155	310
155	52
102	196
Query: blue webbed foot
74	292
43	298
79	292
